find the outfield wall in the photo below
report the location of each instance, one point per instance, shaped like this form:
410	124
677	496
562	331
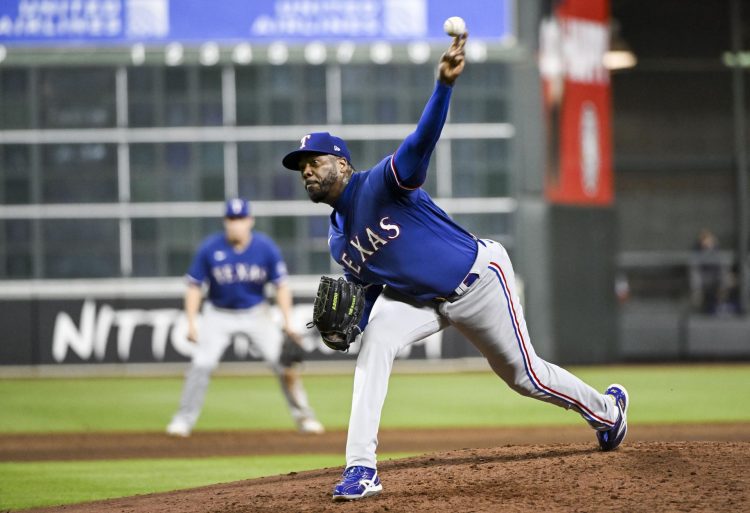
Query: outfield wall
138	321
52	324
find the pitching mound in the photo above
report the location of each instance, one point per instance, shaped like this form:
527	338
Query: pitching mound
640	476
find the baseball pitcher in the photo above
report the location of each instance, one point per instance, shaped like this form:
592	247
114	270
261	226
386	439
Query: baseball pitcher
236	265
421	272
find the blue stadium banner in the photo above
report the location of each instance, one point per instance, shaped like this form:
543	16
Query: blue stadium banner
53	23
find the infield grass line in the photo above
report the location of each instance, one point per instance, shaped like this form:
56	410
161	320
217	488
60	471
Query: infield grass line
37	484
659	395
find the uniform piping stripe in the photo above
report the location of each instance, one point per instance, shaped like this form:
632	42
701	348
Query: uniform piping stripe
395	174
494	267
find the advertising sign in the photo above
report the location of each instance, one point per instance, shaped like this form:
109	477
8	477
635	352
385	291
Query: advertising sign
123	22
109	329
573	40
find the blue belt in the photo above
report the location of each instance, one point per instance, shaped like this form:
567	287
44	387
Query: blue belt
460	290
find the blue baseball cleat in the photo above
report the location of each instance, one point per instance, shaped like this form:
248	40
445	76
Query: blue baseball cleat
611	438
357	483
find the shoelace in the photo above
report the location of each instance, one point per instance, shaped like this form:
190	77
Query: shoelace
351	471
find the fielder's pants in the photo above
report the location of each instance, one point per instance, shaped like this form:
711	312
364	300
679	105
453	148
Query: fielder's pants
215	330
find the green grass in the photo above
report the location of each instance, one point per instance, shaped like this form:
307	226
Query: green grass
25	485
660	394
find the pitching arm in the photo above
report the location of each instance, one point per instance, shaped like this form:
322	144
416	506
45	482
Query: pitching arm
409	163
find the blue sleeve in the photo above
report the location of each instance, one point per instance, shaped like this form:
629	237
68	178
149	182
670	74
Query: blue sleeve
371	295
199	269
409	163
276	266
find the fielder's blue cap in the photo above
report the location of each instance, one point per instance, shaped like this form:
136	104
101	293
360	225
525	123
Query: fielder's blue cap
316	142
237	207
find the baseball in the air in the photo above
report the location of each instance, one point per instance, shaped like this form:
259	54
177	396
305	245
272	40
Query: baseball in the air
454	26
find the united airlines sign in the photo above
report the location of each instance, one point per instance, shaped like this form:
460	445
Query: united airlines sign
123	22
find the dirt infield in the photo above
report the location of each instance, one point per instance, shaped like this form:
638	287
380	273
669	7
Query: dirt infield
510	470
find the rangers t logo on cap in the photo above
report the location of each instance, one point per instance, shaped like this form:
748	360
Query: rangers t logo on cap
317	142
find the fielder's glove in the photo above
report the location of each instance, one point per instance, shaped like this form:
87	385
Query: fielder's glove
337	311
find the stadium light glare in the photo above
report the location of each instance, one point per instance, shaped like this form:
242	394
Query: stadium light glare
138	54
509	40
345	52
316	53
209	54
476	51
419	52
242	54
381	53
731	59
278	54
619	59
619	55
174	54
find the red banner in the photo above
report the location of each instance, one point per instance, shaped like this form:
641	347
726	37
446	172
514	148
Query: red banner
573	41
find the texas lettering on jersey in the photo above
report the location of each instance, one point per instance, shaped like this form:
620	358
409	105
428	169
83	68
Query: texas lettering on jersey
236	279
370	243
238	273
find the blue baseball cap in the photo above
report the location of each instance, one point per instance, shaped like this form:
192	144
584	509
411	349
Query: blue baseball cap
237	207
316	142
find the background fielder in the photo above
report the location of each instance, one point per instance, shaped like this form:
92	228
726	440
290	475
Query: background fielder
424	272
236	265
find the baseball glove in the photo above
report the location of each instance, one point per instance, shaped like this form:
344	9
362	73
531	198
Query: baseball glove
337	311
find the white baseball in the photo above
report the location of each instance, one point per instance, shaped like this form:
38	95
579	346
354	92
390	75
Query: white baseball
454	26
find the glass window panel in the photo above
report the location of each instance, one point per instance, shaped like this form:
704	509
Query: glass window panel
77	97
210	82
144	85
250	111
15	174
385	94
282	79
480	168
177	172
15	103
315	112
488	226
177	97
303	252
165	247
81	248
282	111
483	94
281	95
184	96
15	250
366	154
210	108
318	227
79	173
261	175
212	171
